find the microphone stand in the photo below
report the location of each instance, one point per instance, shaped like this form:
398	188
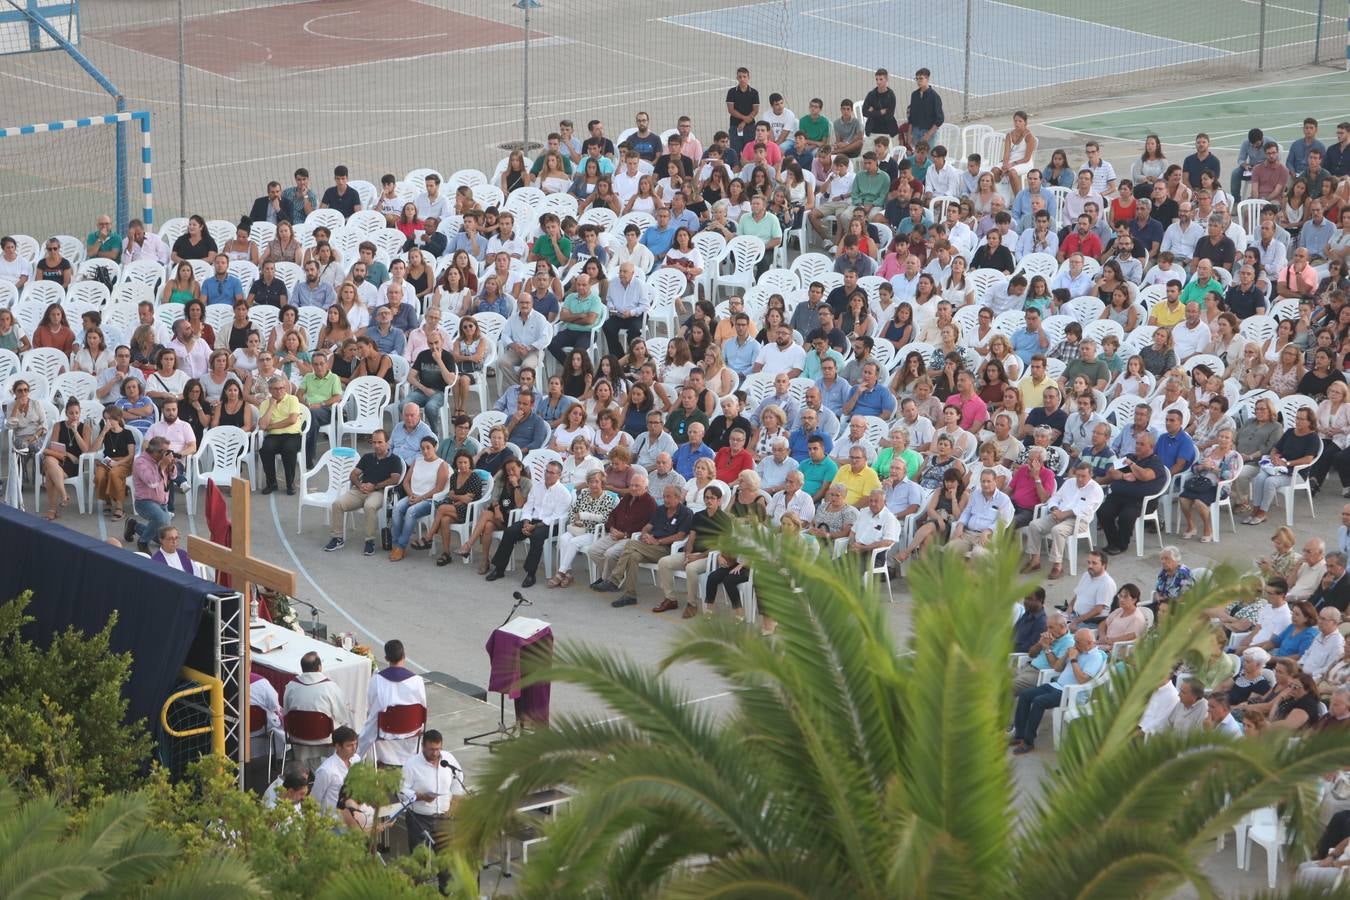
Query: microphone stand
477	740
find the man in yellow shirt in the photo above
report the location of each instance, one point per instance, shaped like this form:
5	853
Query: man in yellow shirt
1171	310
858	478
281	418
1034	383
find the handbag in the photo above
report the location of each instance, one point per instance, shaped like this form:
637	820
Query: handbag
1198	483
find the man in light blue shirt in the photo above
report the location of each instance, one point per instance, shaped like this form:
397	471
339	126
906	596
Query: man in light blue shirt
524	339
799	440
223	287
691	451
312	291
1030	339
987	510
384	335
741	351
1174	446
405	438
1082	663
660	236
1021	205
526	429
1123	444
834	391
681	216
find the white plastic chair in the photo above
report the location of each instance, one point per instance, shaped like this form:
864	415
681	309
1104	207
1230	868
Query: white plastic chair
79	480
338	463
45	361
1298	481
1152	509
745	253
226	446
368	395
1267	831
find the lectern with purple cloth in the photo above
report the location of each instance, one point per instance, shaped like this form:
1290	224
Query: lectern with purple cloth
517	647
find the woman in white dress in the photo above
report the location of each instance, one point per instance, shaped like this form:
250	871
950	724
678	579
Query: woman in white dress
1019	148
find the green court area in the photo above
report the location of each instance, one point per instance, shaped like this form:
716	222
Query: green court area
1278	109
1230	26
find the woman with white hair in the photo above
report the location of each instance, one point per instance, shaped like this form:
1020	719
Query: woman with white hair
1174	579
592	507
1253	678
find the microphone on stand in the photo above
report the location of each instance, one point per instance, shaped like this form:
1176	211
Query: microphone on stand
521	598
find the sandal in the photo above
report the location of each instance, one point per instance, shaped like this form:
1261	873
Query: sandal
117	515
420	545
567	579
555	581
50	515
444	559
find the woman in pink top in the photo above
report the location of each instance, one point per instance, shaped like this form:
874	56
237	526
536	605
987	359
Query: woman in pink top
1033	483
1126	622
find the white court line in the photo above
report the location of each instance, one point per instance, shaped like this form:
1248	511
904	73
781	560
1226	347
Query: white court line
324	595
1292	9
419	110
913	40
551	41
1172	43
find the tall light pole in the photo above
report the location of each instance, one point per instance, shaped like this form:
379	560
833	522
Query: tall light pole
526	5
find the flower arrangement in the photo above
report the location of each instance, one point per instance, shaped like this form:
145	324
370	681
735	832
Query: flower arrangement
280	609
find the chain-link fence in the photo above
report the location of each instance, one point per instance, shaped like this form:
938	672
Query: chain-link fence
387	86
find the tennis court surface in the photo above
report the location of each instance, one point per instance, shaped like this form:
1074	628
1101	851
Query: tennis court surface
1278	109
1018	44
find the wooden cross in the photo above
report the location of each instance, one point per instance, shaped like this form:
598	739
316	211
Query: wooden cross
245	570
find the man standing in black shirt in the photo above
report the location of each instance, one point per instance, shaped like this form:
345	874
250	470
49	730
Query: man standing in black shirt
743	107
925	110
879	108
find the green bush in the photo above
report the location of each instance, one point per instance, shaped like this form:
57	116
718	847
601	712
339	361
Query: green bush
63	728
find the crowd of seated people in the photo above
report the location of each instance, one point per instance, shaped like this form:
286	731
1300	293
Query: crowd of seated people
983	343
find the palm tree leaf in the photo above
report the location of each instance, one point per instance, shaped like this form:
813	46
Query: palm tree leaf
216	877
954	716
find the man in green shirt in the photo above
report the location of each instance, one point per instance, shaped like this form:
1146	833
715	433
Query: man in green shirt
320	391
1088	365
764	226
551	246
578	320
103	242
815	130
870	188
1202	284
554	146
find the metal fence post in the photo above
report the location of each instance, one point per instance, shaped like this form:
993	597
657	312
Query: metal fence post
1261	39
182	123
1317	34
965	90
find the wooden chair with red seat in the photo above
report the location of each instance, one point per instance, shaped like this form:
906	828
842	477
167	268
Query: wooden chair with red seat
398	723
309	729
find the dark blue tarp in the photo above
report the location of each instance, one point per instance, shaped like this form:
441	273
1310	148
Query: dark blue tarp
79	581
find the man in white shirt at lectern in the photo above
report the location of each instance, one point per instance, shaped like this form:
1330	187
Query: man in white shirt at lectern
394	685
433	781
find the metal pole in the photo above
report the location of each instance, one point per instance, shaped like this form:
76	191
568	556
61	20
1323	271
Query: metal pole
965	90
525	113
1261	39
182	118
1317	35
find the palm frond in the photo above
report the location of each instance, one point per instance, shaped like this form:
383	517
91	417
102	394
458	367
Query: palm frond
216	877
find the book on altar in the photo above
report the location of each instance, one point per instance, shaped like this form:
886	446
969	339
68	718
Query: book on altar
524	627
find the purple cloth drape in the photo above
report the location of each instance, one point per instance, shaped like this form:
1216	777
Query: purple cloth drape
509	655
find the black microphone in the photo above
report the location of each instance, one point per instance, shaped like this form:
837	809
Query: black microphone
445	764
520	598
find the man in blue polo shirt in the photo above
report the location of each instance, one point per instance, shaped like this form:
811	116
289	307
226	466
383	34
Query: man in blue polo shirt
870	398
799	441
741	351
660	236
691	451
1175	447
222	287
